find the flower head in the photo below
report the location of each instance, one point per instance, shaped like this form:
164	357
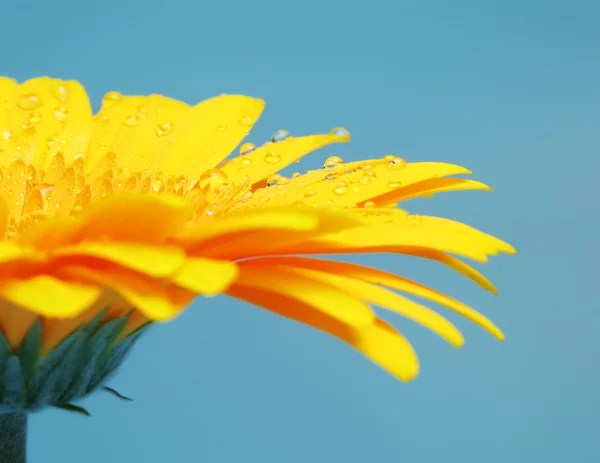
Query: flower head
126	216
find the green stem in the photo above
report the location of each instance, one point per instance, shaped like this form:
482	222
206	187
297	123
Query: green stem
13	438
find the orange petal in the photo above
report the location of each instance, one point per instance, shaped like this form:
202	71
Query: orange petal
378	341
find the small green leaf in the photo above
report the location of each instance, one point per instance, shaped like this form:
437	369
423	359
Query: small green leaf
73	408
117	394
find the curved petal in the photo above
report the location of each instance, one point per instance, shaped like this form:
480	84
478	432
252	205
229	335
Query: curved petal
274	156
155	261
378	341
205	276
131	217
48	116
323	297
207	134
389	280
49	296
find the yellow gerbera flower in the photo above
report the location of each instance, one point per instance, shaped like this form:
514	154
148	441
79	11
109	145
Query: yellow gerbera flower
123	218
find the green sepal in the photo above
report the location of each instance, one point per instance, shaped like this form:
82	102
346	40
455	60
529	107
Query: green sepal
117	394
5	353
14	384
73	408
97	344
82	362
30	348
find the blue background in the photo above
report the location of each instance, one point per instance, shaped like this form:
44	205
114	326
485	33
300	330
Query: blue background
510	89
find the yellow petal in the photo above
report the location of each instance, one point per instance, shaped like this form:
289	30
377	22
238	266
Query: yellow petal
389	280
8	91
48	296
378	341
349	184
48	116
427	188
253	220
138	218
205	276
155	261
374	294
146	295
207	134
321	296
132	128
274	156
231	246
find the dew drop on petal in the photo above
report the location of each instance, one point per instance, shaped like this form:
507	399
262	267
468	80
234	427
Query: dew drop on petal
279	135
247	148
112	97
212	178
394	183
369	204
340	132
29	101
61	93
272	157
341	189
332	161
395	162
247	121
222	127
60	114
35	118
131	121
163	129
296	175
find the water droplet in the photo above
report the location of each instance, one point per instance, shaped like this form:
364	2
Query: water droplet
279	135
272	180
365	180
247	148
142	111
131	121
35	118
330	176
415	220
369	204
157	181
272	157
29	101
356	189
102	120
246	162
341	189
247	121
60	114
394	183
309	193
212	178
112	97
395	162
340	132
296	175
6	134
330	162
222	127
163	129
62	93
